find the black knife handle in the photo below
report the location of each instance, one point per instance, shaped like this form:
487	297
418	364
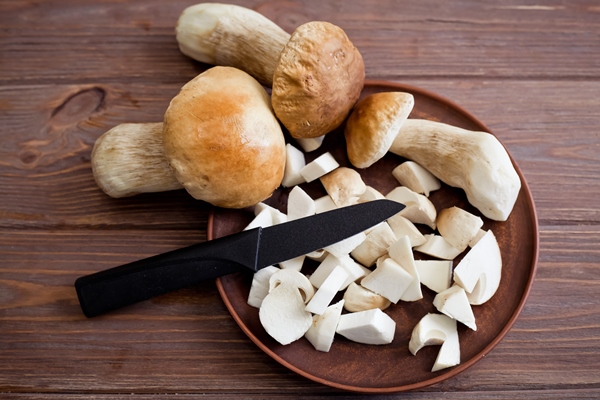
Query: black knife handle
141	280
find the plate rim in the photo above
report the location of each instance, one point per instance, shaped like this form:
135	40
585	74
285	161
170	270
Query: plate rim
463	365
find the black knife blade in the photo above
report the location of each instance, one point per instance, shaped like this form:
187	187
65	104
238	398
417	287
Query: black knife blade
256	248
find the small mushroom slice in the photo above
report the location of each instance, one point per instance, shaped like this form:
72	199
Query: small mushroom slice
344	186
480	270
324	203
327	291
419	209
310	144
438	247
368	327
344	247
300	204
401	252
435	274
374	124
436	329
403	227
322	332
416	178
389	280
359	298
454	303
375	245
370	194
294	162
318	167
458	226
354	270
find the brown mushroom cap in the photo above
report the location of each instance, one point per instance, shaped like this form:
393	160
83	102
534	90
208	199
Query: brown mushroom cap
222	140
317	81
374	124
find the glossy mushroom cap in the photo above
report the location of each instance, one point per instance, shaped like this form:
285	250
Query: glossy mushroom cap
317	81
222	140
374	124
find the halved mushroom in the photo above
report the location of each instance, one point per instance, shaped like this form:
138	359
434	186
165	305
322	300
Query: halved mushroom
260	285
436	329
374	124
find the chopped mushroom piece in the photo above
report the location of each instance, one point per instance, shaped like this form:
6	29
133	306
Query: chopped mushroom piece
344	247
324	203
359	298
389	280
419	209
370	194
327	291
480	270
375	245
310	144
401	252
320	166
354	270
300	204
458	226
416	178
369	327
344	186
438	247
294	162
436	329
294	263
454	303
402	226
435	274
322	331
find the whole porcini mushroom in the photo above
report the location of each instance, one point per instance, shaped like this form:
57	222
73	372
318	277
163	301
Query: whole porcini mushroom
219	140
316	73
473	161
222	140
373	125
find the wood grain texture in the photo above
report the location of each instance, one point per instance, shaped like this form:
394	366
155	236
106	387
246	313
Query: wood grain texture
70	70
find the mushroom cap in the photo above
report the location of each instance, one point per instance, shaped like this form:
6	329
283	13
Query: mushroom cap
317	81
222	140
374	124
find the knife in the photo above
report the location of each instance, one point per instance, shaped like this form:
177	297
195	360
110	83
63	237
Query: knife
252	249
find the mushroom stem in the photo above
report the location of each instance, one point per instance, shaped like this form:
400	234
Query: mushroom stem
129	159
229	35
473	161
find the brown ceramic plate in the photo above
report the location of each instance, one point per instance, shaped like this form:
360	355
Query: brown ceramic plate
391	368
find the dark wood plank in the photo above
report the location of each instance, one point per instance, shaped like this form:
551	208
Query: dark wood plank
186	342
125	41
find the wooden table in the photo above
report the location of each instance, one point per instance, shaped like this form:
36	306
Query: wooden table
70	70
